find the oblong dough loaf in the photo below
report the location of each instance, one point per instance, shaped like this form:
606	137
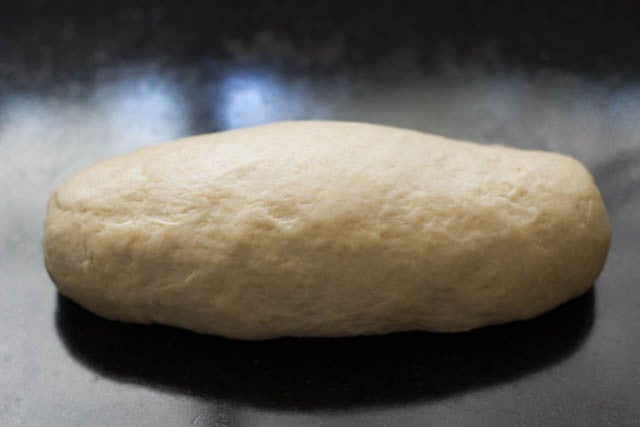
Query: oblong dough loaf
326	229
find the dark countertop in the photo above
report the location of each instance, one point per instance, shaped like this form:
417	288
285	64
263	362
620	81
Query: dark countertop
79	83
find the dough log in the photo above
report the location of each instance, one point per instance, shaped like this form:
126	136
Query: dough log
326	229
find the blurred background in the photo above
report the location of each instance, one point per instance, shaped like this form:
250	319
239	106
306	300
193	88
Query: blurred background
80	82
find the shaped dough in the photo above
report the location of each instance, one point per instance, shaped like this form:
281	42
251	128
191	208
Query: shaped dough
326	229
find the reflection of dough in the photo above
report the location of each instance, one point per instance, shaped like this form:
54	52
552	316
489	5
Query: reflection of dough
326	229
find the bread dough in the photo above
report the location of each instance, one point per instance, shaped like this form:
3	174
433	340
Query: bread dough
326	229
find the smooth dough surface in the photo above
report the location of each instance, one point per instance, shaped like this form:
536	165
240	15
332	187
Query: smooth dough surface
326	229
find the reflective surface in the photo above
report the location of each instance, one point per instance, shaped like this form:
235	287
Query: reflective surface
80	84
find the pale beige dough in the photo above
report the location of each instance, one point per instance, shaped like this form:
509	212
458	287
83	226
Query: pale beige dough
326	229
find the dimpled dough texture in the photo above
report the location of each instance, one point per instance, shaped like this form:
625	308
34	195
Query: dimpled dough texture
326	229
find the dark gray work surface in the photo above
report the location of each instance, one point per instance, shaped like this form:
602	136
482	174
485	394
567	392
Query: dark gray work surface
80	82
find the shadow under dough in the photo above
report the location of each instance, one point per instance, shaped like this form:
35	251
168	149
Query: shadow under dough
322	373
